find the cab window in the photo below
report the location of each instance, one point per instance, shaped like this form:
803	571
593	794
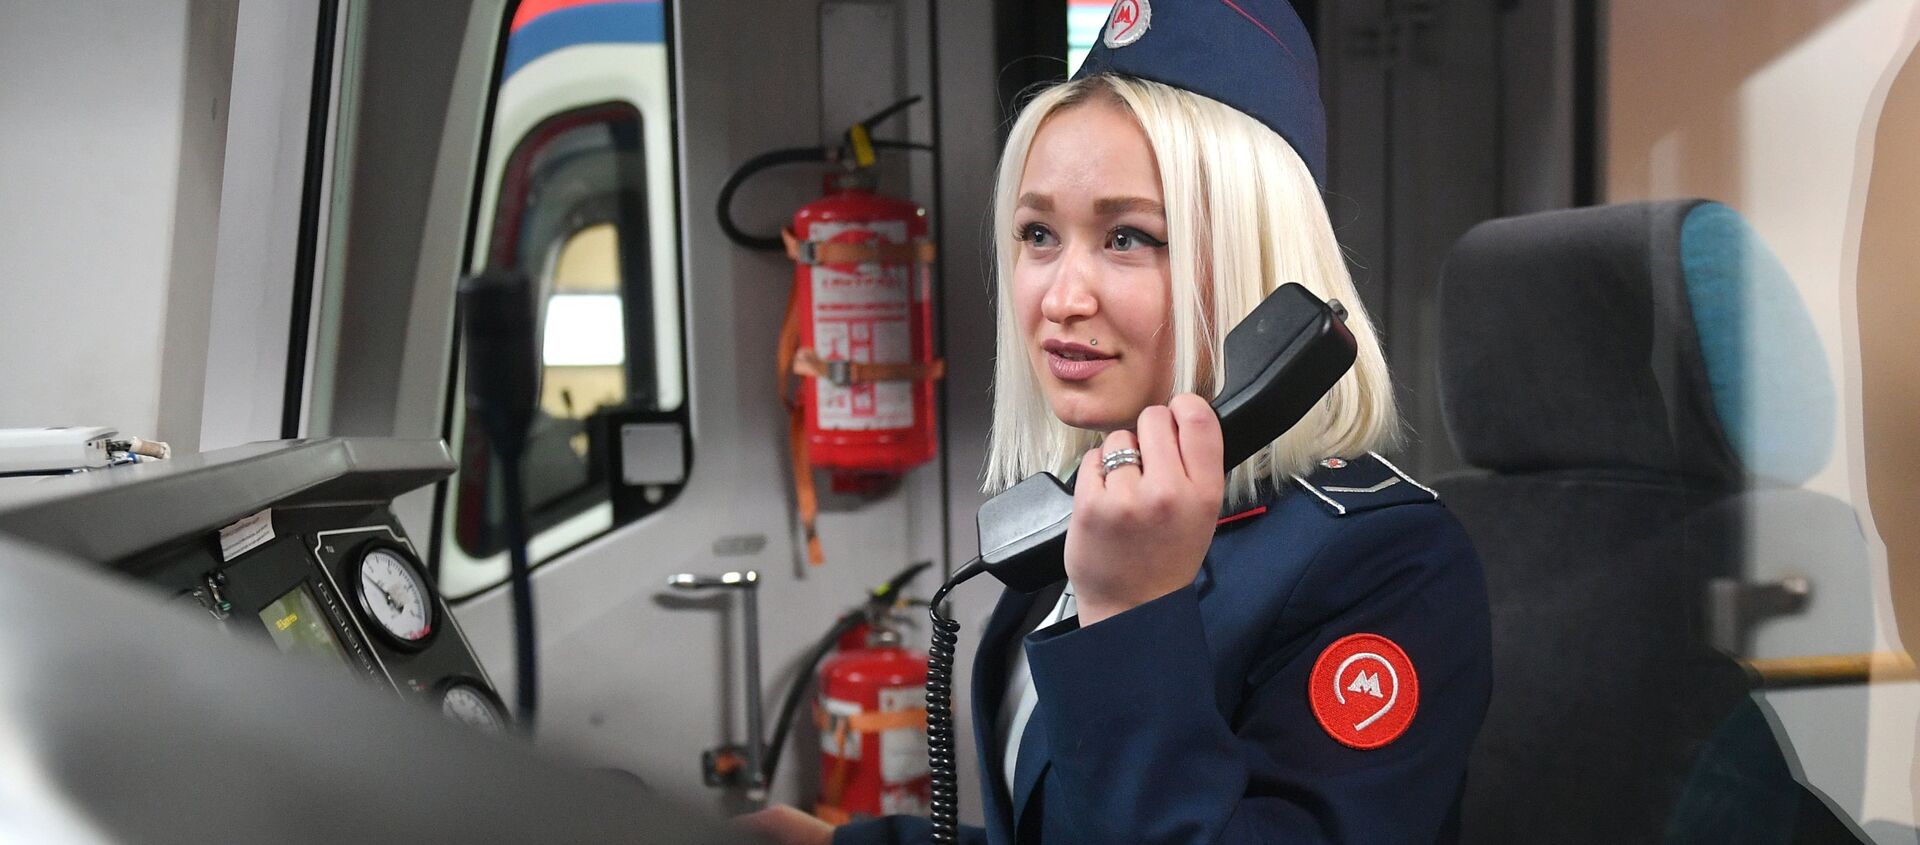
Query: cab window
577	196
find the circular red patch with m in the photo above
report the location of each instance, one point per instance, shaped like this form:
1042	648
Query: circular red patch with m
1364	691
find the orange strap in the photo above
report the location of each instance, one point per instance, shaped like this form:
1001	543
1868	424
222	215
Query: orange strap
805	500
869	722
845	728
836	252
806	363
835	789
831	814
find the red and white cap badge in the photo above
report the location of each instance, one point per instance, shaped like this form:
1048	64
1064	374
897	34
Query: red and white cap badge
1364	691
1129	20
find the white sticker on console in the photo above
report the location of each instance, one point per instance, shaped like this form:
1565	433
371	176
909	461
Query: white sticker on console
246	535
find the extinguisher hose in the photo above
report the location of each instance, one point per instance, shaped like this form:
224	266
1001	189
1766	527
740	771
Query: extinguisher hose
763	161
945	806
790	706
777	158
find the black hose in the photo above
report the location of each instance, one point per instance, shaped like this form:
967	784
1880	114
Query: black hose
796	155
790	707
763	161
945	806
901	145
890	111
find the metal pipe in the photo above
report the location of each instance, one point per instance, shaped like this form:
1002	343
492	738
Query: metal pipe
1830	670
756	719
748	582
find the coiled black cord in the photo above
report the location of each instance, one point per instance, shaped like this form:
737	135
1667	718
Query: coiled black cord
945	808
941	760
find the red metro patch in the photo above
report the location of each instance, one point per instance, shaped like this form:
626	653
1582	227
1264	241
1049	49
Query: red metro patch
1364	691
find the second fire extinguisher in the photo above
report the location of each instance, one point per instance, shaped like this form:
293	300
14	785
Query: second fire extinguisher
872	715
870	707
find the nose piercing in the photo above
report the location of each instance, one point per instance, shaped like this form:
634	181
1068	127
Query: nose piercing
1093	342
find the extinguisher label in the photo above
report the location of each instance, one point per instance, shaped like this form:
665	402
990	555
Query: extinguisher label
835	738
903	752
863	316
904	801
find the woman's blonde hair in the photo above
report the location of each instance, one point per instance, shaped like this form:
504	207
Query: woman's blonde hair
1242	211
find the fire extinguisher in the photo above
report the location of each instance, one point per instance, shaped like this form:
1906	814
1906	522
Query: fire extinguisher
871	711
872	716
858	334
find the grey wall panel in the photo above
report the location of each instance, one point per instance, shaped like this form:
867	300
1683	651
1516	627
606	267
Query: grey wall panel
1441	115
205	97
92	120
416	123
970	148
253	270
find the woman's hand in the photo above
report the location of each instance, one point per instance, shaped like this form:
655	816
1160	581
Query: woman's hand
787	826
1141	531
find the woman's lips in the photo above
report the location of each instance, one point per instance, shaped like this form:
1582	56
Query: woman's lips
1075	369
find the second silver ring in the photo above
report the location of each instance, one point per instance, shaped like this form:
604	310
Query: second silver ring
1118	458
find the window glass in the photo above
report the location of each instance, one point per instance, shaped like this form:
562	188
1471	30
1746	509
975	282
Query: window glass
577	195
1084	21
1798	120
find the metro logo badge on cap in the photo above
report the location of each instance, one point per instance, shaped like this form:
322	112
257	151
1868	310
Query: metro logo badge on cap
1128	21
1252	55
1364	691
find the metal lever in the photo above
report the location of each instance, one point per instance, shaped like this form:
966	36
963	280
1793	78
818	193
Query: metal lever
723	765
1734	607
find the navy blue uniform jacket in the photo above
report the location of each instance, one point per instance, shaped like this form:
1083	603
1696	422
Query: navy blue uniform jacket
1188	720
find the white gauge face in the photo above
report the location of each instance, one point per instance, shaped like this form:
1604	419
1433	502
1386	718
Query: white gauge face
471	707
395	597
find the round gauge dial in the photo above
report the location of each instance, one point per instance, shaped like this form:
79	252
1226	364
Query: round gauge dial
394	596
472	706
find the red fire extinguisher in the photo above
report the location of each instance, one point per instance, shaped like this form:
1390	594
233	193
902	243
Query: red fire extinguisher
873	731
859	335
859	328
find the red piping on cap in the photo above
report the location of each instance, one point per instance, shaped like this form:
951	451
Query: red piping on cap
1263	27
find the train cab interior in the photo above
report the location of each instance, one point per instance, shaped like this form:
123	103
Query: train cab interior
554	420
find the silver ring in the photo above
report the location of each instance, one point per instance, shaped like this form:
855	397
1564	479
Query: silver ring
1118	458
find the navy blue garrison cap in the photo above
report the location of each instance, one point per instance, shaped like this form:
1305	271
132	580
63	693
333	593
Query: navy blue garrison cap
1253	55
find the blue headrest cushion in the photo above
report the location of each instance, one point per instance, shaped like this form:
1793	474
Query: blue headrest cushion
1765	366
1654	339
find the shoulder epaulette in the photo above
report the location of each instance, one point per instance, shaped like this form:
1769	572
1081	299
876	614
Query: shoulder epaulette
1364	483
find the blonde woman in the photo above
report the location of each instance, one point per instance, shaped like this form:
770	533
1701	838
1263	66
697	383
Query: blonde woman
1294	651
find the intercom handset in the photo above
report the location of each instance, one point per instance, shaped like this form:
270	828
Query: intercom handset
1280	360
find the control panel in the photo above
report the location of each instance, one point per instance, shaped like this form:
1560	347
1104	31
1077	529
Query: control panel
344	587
293	544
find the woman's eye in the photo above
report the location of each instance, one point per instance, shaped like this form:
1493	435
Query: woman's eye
1034	234
1127	238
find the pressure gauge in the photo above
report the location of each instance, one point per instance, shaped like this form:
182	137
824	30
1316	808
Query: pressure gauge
472	705
393	595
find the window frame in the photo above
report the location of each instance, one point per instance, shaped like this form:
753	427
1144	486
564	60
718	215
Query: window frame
610	503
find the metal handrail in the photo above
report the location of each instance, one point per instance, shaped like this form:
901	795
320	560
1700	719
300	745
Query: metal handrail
1831	670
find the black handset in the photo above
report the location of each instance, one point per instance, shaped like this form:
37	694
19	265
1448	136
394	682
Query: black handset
1280	360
